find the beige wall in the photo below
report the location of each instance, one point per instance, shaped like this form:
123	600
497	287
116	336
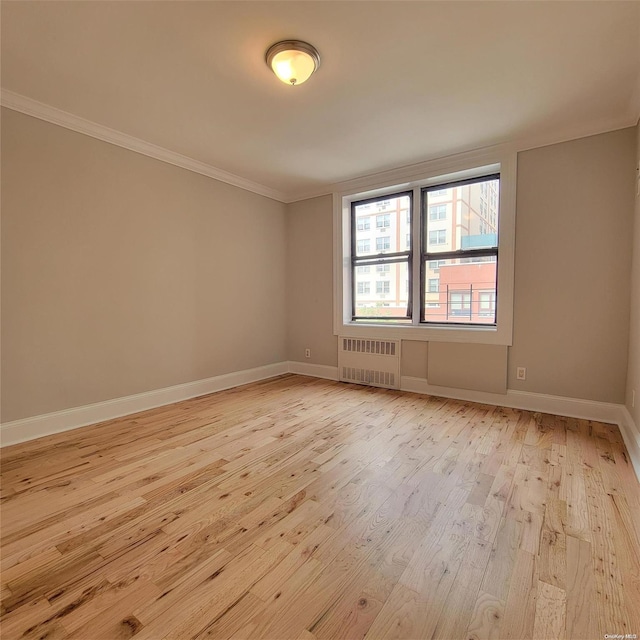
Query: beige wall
573	256
633	371
414	358
310	282
122	274
573	262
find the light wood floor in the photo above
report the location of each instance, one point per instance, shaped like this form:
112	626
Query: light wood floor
300	508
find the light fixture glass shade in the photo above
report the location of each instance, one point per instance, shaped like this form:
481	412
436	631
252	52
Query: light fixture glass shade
293	61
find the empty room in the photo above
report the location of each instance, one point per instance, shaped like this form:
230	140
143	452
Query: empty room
320	320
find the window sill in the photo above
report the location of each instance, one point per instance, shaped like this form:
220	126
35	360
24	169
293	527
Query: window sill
476	335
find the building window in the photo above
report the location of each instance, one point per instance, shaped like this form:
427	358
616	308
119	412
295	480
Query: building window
460	303
487	303
365	269
382	222
364	246
382	286
364	223
455	284
438	236
438	212
364	287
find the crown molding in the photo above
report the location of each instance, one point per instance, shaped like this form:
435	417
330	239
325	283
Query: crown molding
30	107
45	112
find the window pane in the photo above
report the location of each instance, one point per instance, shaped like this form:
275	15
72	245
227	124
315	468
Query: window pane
462	217
382	226
461	290
383	293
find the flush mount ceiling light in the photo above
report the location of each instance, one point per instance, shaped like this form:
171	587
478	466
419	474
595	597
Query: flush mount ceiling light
293	61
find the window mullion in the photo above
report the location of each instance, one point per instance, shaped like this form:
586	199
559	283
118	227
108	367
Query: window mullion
416	268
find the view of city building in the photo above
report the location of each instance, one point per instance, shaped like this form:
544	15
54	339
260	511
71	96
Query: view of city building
460	229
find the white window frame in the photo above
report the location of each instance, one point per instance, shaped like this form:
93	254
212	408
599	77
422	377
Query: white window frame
461	166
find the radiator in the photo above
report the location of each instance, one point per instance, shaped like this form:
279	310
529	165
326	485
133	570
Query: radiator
373	362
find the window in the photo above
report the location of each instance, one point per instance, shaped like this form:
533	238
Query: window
364	223
365	269
383	244
453	280
460	303
438	212
487	303
364	287
470	265
438	236
391	260
383	221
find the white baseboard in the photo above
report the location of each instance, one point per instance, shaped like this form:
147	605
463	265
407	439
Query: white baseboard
631	435
557	405
59	421
314	370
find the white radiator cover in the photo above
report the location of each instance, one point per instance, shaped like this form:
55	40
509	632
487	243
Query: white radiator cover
371	361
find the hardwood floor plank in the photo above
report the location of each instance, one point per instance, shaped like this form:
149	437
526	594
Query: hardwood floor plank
486	618
581	616
464	592
551	609
520	605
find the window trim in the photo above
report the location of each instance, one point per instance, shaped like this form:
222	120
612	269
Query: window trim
502	160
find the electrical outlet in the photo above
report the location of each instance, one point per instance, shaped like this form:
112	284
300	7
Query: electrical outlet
307	353
521	373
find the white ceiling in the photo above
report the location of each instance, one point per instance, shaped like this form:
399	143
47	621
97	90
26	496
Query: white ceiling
400	82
